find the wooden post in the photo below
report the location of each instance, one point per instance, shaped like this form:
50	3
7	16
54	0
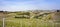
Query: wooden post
3	22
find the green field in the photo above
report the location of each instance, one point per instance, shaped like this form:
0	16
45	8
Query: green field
27	23
42	20
0	23
24	22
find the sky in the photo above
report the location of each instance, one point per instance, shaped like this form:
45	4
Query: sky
22	5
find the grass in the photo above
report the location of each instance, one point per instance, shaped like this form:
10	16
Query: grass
27	23
19	22
0	23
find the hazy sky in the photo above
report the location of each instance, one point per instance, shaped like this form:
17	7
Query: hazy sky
21	5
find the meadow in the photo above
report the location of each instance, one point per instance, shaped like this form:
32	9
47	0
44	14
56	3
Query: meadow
27	23
15	20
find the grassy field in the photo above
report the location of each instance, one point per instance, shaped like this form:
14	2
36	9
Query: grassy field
41	21
18	22
0	23
27	23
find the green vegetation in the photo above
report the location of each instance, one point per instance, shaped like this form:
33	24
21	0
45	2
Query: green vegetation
18	22
27	23
0	23
23	19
